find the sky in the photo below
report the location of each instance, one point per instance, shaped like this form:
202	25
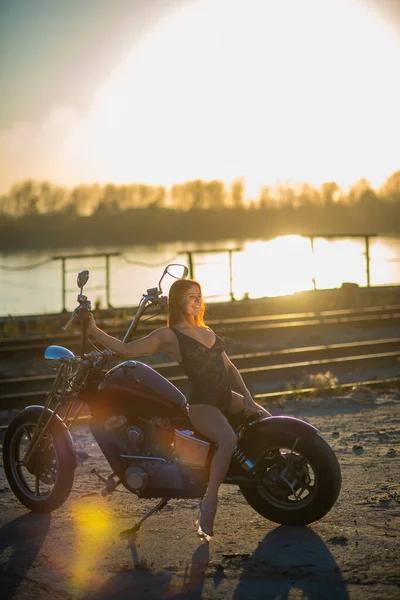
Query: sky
163	91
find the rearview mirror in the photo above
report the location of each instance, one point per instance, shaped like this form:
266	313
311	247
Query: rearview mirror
177	271
82	279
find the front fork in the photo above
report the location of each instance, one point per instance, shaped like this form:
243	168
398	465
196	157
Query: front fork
54	394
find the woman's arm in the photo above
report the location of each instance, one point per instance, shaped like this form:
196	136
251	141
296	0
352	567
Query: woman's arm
149	344
239	385
237	381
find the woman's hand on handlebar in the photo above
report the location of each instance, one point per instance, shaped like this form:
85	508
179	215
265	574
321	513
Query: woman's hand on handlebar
163	301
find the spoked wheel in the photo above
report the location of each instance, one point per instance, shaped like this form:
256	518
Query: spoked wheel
295	483
44	482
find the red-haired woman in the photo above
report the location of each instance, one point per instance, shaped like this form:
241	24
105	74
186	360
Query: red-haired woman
212	376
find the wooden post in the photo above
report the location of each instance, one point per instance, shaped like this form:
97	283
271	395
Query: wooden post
108	281
190	263
64	285
312	252
230	275
367	259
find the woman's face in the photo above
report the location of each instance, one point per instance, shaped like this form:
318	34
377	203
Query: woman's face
191	301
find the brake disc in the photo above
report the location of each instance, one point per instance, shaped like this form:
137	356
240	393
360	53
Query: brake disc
43	464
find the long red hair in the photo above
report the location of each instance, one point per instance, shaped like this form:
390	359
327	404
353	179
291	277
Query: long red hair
176	293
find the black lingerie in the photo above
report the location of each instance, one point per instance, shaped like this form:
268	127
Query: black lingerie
205	368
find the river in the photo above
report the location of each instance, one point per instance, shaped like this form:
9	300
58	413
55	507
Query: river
31	282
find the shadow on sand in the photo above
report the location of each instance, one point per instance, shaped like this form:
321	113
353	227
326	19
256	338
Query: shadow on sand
20	542
287	559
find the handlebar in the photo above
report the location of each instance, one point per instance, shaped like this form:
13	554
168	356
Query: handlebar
153	296
96	358
80	311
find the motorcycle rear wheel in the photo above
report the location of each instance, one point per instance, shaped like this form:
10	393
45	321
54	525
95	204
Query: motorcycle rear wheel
45	483
295	483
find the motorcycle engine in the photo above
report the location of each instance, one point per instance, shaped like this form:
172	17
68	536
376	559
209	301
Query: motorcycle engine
134	436
148	446
147	437
136	478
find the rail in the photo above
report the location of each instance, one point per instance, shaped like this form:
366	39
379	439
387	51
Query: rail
223	326
251	365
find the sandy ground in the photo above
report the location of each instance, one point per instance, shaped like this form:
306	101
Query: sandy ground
352	553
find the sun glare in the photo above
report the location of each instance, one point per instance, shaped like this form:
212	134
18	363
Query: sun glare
92	526
337	261
279	266
290	264
301	91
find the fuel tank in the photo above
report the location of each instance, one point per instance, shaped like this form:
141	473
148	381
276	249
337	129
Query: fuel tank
139	387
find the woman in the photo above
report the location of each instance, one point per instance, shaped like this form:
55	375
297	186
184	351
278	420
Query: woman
212	376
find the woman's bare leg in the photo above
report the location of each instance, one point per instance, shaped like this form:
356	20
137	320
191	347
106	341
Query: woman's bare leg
210	422
238	405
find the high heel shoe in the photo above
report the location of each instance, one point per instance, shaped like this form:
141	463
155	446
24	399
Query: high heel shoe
205	522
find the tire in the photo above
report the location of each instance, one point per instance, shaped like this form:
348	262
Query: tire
50	469
312	462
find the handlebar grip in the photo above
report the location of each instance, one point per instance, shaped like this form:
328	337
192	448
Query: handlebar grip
83	311
163	301
80	311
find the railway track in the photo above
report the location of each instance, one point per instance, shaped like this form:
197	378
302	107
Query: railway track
232	327
264	367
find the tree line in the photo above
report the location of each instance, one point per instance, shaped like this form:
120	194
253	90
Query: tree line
40	215
42	198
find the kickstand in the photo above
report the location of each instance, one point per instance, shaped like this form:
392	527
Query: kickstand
128	532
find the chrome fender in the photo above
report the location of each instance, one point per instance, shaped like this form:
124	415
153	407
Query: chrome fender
58	427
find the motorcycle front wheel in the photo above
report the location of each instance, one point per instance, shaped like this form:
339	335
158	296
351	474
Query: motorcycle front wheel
294	482
45	481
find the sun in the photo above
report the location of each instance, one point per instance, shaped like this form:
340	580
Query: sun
267	90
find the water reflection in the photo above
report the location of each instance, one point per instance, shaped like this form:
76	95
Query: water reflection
275	267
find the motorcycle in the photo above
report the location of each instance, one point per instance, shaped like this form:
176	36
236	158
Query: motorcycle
285	470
